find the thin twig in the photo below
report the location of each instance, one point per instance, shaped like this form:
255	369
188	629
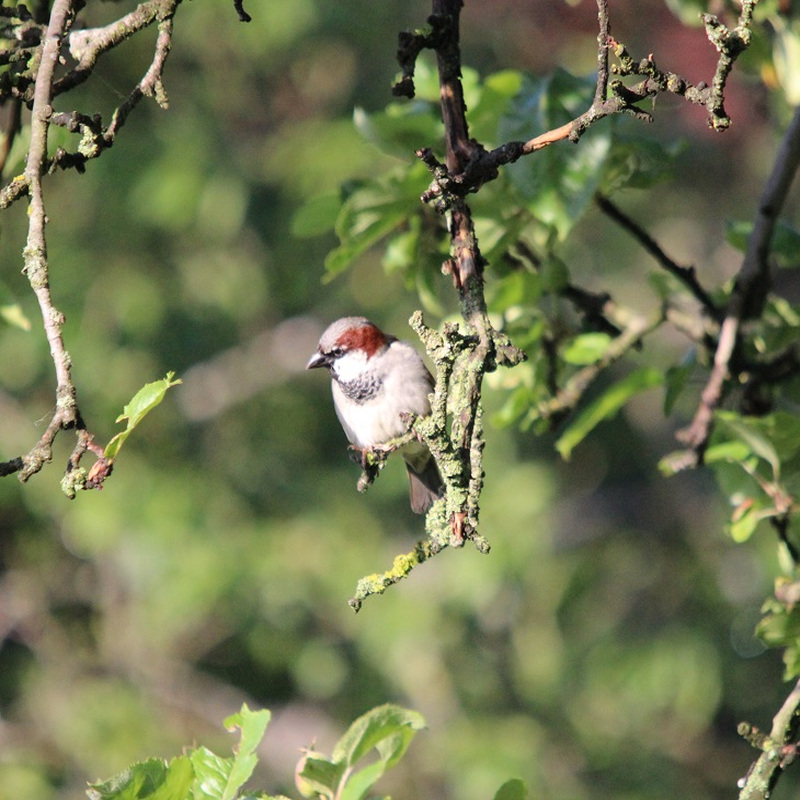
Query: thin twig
10	134
778	749
86	46
686	275
96	139
749	292
603	37
569	395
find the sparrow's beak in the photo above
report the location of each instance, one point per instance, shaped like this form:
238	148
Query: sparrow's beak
318	360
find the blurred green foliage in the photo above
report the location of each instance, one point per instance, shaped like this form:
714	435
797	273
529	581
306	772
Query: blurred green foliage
605	647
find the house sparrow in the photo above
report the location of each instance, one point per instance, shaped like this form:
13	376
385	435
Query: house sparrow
375	378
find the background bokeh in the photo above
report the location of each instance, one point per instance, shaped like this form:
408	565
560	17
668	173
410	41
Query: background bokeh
603	649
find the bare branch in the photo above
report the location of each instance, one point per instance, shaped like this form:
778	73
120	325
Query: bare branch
778	749
749	291
86	46
96	139
239	7
686	275
476	165
35	252
730	44
635	328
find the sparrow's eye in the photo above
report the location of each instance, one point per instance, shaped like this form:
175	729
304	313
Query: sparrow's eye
335	352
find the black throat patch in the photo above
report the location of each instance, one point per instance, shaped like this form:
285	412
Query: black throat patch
362	389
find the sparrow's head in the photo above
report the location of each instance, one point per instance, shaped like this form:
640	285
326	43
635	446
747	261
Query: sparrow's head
354	338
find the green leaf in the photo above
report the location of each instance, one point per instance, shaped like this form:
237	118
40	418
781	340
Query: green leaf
317	216
735	452
13	315
11	311
373	727
515	789
218	778
389	729
211	774
318	775
373	211
586	348
785	433
139	780
751	432
560	182
786	56
142	403
360	782
402	128
402	251
252	725
636	162
516	405
606	406
493	99
785	244
744	525
148	780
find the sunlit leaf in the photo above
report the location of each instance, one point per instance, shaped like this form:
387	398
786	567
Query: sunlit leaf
401	128
252	725
606	406
734	451
318	775
373	727
153	779
559	184
374	210
743	527
586	348
141	404
11	311
492	102
13	315
318	215
751	432
786	56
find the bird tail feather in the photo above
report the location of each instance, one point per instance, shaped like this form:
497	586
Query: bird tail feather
425	485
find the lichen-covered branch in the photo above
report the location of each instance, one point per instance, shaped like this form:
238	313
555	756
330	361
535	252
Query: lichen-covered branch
730	45
87	47
461	358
